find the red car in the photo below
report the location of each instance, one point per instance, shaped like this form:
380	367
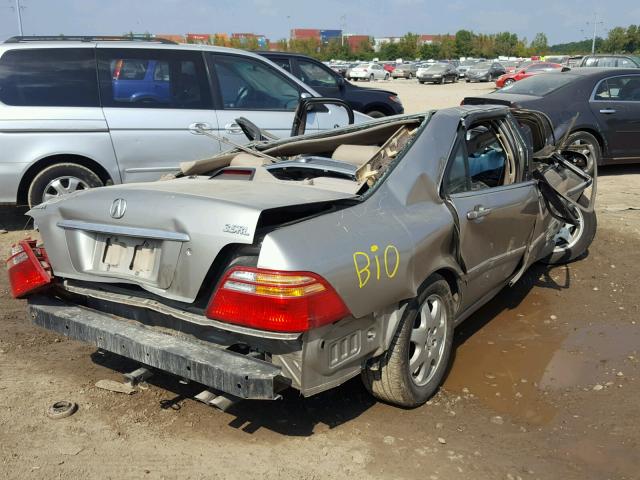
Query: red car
389	67
533	69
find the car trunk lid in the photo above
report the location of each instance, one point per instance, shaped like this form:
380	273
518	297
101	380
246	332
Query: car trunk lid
161	236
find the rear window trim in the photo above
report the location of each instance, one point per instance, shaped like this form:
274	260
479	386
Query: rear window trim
538	76
593	98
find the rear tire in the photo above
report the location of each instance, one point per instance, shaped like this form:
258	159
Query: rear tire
574	240
591	149
61	179
413	367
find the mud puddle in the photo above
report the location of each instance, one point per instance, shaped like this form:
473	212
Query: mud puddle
527	344
502	362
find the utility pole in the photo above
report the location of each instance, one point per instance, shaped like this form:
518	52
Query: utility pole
595	31
19	12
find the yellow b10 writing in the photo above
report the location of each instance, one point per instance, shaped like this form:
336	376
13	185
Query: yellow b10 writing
386	263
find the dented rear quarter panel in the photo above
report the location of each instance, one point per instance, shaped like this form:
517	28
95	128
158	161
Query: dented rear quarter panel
381	250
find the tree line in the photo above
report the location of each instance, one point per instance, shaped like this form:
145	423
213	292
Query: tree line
465	43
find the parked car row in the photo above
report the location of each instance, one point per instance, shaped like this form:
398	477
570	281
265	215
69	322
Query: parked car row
326	81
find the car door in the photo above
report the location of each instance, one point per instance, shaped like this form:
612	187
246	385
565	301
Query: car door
248	87
616	105
495	209
322	79
152	99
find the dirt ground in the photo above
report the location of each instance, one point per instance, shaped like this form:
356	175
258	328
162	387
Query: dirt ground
544	385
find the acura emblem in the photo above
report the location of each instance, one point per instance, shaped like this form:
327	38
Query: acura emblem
118	207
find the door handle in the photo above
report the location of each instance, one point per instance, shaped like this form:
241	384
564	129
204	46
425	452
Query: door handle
198	127
478	212
232	128
608	111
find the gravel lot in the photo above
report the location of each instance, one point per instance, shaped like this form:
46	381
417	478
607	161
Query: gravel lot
544	385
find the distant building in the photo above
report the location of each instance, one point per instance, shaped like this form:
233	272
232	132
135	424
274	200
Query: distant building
430	39
355	41
172	37
328	35
379	41
305	34
203	38
245	37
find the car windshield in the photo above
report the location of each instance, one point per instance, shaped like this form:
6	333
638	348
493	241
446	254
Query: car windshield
437	68
467	63
539	85
482	66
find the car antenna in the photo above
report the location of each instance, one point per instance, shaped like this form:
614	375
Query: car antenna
198	130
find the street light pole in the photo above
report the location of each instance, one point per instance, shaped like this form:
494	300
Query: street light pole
595	31
595	26
19	12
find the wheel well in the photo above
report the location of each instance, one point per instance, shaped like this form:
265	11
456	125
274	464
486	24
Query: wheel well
596	135
452	279
379	107
43	163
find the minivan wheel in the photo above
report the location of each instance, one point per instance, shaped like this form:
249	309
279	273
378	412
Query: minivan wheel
61	179
413	367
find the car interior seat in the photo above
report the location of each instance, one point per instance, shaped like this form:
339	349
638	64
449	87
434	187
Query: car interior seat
355	154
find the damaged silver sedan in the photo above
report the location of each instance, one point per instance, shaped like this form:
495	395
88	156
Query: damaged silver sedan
307	261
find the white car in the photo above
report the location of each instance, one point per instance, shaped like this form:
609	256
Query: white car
368	71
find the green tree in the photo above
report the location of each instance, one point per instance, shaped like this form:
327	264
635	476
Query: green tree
616	40
408	46
464	43
540	44
632	43
506	43
429	51
389	51
447	46
484	46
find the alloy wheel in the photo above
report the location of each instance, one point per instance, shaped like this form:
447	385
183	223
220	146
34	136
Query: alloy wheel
427	340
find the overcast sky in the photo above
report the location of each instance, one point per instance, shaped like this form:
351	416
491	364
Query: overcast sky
561	20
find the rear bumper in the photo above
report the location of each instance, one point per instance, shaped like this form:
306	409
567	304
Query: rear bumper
205	363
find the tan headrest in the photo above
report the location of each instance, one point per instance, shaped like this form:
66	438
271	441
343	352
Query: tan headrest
247	160
355	154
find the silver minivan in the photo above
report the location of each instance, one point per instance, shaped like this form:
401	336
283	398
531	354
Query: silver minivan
86	112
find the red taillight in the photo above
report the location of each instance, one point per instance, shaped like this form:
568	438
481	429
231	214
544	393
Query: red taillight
117	69
275	300
28	268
